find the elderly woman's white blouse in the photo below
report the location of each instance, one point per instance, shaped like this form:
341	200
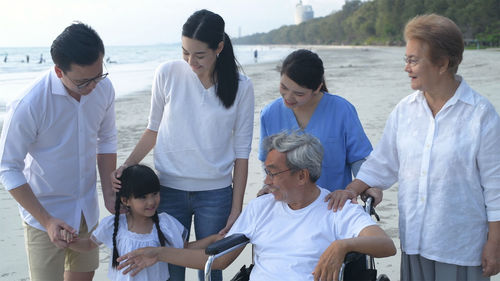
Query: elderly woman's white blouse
127	241
448	170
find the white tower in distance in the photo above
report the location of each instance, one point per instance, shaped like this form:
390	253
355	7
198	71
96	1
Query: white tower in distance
303	13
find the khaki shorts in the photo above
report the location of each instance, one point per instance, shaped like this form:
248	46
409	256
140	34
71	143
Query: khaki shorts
47	262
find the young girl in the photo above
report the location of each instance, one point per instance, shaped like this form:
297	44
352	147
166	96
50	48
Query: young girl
140	227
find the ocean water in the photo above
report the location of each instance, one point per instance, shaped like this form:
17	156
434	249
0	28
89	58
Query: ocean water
131	68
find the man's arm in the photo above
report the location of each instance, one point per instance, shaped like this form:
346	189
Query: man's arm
372	240
25	196
106	163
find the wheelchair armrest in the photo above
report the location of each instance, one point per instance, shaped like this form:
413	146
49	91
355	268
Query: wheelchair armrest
226	243
353	256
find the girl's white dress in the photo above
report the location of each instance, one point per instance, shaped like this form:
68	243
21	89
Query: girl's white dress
128	241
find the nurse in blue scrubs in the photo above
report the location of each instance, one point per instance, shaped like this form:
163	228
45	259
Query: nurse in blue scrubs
306	105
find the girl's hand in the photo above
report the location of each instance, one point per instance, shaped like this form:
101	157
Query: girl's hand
67	236
115	182
139	259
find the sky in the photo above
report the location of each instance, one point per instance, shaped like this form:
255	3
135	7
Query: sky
27	23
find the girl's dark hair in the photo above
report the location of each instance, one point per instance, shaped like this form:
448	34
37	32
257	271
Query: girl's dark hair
78	44
208	27
305	68
137	181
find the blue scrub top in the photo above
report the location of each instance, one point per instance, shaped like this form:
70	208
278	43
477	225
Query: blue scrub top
335	123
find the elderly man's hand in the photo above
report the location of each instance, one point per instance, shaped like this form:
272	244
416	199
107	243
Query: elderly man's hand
139	259
330	262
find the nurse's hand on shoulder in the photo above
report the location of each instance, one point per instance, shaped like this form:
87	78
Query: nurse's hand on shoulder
264	190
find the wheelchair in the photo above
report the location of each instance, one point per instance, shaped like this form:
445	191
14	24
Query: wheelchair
356	266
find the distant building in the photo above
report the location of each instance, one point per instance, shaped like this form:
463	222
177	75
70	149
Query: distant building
303	13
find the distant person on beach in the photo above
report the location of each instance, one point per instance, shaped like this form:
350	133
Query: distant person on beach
42	60
52	138
295	236
306	105
27	59
441	144
201	125
5	58
141	226
255	55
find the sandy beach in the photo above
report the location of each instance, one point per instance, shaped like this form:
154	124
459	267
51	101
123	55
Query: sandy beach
371	78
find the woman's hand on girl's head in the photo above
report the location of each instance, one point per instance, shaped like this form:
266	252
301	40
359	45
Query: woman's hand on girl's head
139	259
115	175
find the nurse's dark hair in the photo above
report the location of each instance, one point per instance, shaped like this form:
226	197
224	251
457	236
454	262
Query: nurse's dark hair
136	181
306	69
77	44
208	27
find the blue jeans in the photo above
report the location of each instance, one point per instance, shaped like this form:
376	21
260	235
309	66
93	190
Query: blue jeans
210	209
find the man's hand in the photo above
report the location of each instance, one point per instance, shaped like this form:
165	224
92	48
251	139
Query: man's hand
490	259
54	229
139	259
330	262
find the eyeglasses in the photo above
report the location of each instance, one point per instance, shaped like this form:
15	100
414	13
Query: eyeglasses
412	61
96	79
275	174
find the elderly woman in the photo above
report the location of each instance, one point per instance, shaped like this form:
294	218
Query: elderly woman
441	145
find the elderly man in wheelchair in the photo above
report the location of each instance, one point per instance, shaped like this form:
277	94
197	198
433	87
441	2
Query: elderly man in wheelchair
295	236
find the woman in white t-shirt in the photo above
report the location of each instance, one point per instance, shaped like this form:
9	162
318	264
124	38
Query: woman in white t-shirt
201	125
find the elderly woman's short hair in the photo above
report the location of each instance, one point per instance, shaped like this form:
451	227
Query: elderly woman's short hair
303	151
441	34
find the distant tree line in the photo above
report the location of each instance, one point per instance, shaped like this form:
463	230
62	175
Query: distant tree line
381	22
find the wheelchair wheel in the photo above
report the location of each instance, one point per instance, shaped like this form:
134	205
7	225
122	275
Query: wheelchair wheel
383	277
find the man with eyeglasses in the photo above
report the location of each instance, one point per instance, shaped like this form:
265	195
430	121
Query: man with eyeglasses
295	236
52	137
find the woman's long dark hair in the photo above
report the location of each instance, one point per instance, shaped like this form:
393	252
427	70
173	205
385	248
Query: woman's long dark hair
137	181
306	69
208	27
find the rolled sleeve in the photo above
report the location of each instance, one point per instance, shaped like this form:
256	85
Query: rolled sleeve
157	100
487	160
243	130
18	132
381	168
107	141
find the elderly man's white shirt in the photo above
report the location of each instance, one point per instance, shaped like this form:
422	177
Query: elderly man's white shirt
50	141
448	171
288	243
